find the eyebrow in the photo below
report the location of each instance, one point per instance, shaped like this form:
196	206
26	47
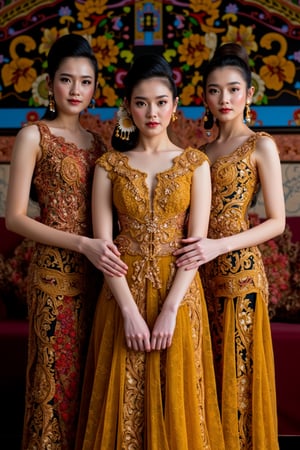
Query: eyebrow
140	97
65	74
231	83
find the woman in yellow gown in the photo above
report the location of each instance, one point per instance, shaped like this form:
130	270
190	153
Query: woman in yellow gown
149	381
236	287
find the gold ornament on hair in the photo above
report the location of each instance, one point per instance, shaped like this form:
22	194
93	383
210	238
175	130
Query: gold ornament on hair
125	125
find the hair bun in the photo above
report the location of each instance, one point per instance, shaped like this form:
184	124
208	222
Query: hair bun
232	49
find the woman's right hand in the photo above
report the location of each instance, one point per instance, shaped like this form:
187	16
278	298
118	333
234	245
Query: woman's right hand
105	256
137	333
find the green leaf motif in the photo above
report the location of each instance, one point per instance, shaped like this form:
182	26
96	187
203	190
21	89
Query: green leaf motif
102	23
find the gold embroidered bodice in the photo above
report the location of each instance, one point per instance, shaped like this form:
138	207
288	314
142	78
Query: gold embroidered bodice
235	182
151	227
63	179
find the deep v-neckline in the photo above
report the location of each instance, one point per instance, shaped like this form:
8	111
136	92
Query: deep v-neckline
151	190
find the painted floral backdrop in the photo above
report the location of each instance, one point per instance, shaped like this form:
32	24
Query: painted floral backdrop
185	32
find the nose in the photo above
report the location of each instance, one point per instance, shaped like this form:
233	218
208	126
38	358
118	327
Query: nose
224	97
151	110
74	89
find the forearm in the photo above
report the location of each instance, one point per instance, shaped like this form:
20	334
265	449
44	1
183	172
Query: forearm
197	251
122	294
180	285
44	234
137	334
254	236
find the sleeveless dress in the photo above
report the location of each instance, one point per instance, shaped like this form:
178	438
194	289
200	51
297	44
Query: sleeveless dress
162	400
62	294
236	292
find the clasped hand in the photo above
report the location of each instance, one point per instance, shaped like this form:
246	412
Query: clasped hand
138	336
197	251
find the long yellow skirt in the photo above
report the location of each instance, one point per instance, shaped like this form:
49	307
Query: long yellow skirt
244	365
163	400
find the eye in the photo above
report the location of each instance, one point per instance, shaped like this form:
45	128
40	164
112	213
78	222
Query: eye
88	82
162	102
65	80
140	103
213	91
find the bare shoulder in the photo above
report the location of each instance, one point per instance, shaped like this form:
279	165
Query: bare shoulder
266	152
265	140
266	144
27	141
29	132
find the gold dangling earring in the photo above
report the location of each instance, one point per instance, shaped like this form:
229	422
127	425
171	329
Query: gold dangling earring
247	113
125	125
174	117
51	102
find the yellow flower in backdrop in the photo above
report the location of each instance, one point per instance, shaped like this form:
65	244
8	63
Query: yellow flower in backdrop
196	78
193	50
49	37
199	92
187	94
88	8
208	7
20	73
101	80
110	96
243	36
105	51
276	71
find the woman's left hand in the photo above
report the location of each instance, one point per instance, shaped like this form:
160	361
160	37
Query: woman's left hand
163	330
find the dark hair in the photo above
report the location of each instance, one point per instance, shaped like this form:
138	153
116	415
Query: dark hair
144	67
69	45
230	54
